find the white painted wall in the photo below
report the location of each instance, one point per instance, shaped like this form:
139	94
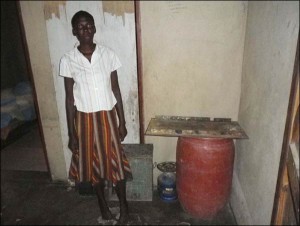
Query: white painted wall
192	56
270	47
116	32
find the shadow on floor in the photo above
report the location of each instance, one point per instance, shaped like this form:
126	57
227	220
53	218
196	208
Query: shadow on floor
25	153
30	198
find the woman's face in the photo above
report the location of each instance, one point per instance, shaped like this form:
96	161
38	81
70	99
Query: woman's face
84	30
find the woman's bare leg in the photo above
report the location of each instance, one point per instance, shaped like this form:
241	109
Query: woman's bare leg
121	193
105	212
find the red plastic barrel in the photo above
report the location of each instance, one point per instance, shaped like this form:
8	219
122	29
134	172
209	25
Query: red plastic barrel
204	169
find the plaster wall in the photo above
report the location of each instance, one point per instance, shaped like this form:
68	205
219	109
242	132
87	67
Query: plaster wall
192	66
192	56
36	36
270	47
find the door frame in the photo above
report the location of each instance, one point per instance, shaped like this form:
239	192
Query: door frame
31	80
282	183
137	13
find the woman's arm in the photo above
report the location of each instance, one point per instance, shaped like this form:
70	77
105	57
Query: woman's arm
119	105
70	110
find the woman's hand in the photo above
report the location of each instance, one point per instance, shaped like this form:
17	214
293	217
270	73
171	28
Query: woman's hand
73	144
122	131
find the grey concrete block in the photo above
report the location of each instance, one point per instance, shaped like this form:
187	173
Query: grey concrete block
140	157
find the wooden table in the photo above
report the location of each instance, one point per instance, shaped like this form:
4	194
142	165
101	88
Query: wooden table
175	126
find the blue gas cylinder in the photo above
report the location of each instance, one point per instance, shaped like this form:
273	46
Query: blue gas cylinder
166	182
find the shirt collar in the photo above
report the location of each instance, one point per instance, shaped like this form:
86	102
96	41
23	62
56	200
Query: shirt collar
96	51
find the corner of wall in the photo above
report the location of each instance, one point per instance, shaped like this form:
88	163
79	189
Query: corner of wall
246	7
238	203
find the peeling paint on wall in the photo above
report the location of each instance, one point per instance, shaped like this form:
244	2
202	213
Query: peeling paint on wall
118	8
52	7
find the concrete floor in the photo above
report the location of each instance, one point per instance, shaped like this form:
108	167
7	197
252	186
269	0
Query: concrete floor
26	153
28	197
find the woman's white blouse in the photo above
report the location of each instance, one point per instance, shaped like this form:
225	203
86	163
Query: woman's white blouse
92	80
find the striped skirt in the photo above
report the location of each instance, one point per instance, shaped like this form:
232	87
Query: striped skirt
100	155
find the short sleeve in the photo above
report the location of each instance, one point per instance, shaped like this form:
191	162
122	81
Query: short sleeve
64	68
115	63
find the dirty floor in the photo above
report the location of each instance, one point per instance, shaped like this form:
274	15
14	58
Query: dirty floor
29	197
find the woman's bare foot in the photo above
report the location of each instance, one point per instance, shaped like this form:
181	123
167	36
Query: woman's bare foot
107	215
124	214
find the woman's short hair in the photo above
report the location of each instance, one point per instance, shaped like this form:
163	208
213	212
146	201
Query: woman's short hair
80	14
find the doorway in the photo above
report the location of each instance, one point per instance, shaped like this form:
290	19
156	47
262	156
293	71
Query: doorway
22	144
